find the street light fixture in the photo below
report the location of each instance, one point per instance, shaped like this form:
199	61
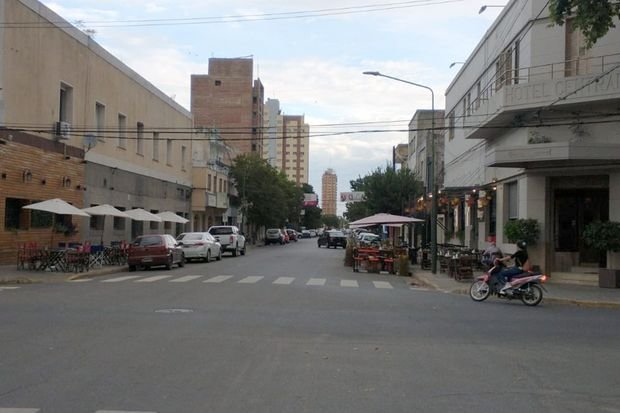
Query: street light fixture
456	63
432	169
483	8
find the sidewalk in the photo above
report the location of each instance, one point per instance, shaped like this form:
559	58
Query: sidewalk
9	274
556	292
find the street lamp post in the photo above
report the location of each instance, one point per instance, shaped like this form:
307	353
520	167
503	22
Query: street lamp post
432	179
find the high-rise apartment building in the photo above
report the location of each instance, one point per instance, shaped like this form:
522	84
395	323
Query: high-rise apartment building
230	101
329	188
286	142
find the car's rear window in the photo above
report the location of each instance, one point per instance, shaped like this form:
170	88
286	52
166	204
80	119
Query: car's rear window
148	241
220	231
190	237
336	234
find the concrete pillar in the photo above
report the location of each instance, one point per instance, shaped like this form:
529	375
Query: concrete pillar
532	194
613	258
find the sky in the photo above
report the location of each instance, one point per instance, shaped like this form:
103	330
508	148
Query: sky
309	54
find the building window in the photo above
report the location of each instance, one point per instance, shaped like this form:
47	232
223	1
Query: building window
122	130
153	224
156	146
512	199
451	126
169	152
464	110
478	96
218	83
183	157
65	112
140	138
14	216
119	223
209	182
100	121
221	185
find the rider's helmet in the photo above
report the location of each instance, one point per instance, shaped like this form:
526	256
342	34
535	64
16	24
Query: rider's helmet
522	245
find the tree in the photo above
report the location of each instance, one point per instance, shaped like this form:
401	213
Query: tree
593	18
312	214
262	186
330	221
386	191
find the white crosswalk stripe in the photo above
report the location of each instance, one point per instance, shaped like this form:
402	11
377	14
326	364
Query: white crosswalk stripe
218	279
10	410
119	279
250	280
119	411
284	280
152	279
8	288
316	281
382	284
349	283
185	279
80	280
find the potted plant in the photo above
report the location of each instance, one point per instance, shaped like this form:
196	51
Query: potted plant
522	230
605	237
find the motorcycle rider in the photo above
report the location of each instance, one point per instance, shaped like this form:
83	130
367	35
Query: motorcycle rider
521	264
490	254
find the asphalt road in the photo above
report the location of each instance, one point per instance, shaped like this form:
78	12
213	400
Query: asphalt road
290	329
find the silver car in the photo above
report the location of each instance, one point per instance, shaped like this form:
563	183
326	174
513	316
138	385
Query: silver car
200	245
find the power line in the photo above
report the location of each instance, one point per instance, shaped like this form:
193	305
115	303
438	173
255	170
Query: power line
231	18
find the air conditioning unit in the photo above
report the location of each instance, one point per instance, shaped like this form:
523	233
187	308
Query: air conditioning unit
63	130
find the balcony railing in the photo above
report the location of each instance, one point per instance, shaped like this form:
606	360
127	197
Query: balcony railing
582	66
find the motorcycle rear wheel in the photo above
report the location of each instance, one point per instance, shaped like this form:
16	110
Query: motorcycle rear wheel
532	296
479	291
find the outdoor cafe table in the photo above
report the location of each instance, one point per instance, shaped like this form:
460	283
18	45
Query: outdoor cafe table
373	259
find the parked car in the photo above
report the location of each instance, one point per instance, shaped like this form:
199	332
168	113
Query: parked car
153	250
313	233
230	238
305	234
332	239
292	234
274	236
200	245
368	238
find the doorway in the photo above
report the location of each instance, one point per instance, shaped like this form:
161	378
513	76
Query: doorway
574	210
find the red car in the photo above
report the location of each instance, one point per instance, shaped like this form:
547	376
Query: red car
292	234
155	250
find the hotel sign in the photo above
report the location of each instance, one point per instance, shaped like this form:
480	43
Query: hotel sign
583	87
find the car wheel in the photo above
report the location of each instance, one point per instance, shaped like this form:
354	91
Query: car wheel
132	268
208	256
219	256
235	251
243	250
170	262
182	262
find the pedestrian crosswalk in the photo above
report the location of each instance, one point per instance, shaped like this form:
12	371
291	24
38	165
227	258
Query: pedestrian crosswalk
251	280
32	410
7	288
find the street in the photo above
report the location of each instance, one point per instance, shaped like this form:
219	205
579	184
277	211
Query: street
291	329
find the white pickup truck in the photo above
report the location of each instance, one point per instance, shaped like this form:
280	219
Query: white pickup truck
229	238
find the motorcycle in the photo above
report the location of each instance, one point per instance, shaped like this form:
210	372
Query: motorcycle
526	286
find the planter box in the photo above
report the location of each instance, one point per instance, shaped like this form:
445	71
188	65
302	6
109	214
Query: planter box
608	278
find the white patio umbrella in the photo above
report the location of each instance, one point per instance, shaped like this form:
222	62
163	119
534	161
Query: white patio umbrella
56	206
105	210
172	217
139	214
381	219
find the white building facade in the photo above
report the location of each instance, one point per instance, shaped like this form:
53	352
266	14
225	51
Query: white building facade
533	133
